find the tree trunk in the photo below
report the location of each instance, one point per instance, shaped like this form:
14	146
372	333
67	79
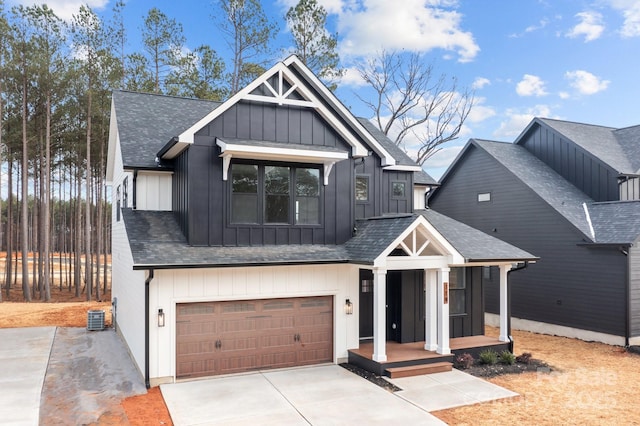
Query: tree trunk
25	192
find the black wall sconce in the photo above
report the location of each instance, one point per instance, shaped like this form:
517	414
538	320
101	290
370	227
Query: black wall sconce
348	307
160	318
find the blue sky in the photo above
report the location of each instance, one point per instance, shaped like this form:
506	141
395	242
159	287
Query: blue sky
576	60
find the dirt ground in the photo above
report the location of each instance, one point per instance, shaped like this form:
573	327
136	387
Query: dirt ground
591	383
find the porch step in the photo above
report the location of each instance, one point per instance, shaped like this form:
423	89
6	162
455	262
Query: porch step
418	370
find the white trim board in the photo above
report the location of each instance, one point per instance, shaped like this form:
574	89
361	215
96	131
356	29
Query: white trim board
556	330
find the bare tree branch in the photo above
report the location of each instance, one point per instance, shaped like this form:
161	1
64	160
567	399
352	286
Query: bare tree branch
409	100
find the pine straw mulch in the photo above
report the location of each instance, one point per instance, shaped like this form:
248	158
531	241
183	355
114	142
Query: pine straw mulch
589	383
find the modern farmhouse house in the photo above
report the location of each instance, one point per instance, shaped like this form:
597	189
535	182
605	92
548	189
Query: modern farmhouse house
275	229
570	193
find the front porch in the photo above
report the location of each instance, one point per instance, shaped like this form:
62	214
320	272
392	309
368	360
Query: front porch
414	354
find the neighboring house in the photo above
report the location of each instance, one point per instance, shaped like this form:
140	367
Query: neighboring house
276	229
569	193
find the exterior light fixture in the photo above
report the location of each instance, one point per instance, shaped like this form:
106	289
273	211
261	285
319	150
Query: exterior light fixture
160	318
348	307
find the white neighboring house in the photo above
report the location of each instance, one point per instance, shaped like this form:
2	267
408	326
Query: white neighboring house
275	230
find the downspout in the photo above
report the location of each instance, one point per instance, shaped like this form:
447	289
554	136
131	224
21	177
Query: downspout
627	306
135	178
146	327
517	268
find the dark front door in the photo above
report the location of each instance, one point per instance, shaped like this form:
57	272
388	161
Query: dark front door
394	305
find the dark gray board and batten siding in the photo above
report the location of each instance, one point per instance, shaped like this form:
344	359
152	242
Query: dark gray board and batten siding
205	219
571	285
586	172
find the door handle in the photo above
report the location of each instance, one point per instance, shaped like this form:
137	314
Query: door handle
218	344
296	337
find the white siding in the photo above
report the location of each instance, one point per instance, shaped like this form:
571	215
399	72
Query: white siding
127	284
630	189
153	191
419	193
170	287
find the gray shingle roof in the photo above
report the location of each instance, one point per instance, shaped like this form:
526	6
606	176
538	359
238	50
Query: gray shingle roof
402	159
472	244
156	241
616	222
374	235
565	198
146	122
423	178
629	139
600	141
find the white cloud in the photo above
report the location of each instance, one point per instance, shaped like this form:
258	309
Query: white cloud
479	112
367	26
516	120
564	95
352	78
543	23
586	83
443	158
631	12
65	9
480	82
531	85
590	26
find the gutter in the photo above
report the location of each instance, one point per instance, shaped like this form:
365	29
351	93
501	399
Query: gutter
146	328
135	178
627	306
517	268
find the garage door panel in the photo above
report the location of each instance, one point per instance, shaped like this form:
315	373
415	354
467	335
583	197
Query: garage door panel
238	344
276	341
238	364
280	359
228	337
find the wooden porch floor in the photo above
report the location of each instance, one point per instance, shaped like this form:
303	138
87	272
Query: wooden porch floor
399	352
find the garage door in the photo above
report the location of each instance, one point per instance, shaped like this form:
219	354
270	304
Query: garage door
232	337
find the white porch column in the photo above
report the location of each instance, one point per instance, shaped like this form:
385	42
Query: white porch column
379	314
431	310
443	312
504	304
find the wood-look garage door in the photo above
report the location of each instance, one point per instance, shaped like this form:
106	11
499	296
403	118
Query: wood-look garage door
230	337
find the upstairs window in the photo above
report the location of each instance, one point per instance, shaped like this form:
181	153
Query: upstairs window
362	188
244	185
267	194
307	196
397	189
276	189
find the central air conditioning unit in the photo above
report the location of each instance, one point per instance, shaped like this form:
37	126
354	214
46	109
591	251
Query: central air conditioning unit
95	320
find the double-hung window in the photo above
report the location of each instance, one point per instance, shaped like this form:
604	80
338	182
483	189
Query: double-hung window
269	194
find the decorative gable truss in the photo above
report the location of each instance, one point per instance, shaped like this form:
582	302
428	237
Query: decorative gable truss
281	90
282	85
422	247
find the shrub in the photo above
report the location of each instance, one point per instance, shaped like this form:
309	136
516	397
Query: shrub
488	356
525	358
507	357
465	360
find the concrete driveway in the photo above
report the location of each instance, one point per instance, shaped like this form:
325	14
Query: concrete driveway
321	395
54	376
24	356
